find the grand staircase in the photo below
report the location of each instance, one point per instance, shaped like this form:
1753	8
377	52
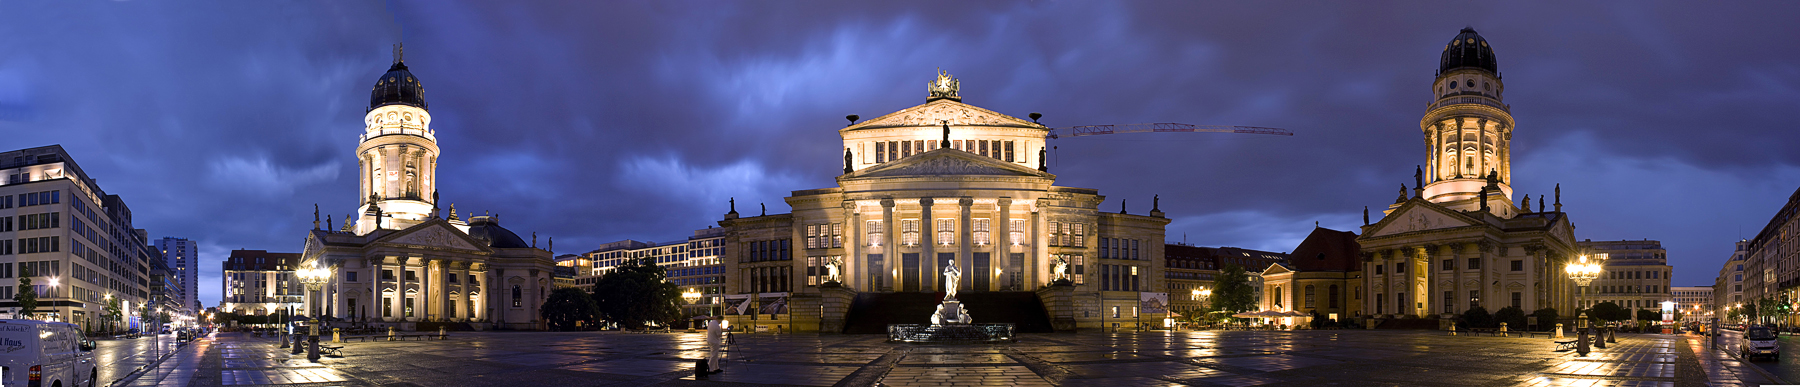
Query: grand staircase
872	312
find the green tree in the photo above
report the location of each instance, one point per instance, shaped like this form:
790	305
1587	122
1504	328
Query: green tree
1478	317
27	296
567	306
1231	290
1608	311
636	295
112	314
1546	318
1512	316
1649	315
1733	314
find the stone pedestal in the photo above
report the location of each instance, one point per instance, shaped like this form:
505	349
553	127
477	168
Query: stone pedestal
834	300
1059	303
949	313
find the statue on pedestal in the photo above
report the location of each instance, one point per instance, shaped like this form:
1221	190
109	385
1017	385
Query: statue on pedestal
952	278
833	268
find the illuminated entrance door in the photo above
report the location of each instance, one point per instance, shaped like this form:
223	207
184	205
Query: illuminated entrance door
878	275
909	272
982	273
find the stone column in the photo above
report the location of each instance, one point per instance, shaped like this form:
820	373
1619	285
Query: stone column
443	290
469	297
338	285
1003	248
399	306
853	251
928	227
1430	299
890	256
967	243
1038	263
426	309
374	310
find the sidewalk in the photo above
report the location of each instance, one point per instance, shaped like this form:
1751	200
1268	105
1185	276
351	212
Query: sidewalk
233	359
1721	369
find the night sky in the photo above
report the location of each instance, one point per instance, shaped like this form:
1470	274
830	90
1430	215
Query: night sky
598	121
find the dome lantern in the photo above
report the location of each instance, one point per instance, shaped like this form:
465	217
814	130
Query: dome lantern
1468	49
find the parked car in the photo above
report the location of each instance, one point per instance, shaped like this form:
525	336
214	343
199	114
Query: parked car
1759	341
39	353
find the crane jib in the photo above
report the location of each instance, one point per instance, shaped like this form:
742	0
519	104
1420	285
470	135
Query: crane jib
1095	130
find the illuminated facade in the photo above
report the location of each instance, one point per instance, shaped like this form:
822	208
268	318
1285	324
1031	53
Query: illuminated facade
261	283
933	185
1694	302
1635	274
1458	240
1728	288
397	260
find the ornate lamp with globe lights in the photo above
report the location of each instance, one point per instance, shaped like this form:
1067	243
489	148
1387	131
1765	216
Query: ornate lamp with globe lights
693	297
315	278
1583	272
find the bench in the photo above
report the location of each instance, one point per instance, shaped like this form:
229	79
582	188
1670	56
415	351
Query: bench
1536	334
1565	345
420	337
331	350
360	338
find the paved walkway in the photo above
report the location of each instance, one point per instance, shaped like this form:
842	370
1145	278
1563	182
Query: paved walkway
1410	358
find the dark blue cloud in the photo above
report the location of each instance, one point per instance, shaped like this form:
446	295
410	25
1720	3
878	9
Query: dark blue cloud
599	121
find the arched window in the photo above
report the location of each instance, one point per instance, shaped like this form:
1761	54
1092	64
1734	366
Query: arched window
517	297
1310	303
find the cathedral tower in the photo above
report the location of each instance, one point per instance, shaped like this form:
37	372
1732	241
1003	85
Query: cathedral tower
397	155
1468	131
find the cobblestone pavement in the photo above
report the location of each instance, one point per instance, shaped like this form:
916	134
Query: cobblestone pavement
1305	358
115	358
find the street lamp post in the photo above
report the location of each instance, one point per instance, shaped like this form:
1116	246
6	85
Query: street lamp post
693	297
1584	273
314	278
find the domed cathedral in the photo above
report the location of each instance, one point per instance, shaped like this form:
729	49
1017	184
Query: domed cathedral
397	260
933	187
1468	130
1456	240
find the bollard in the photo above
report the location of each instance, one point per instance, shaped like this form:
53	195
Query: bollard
1598	335
441	334
1503	329
337	335
1453	328
1559	331
1581	345
391	336
1609	336
297	346
312	348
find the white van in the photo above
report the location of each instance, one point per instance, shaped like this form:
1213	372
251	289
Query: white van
45	354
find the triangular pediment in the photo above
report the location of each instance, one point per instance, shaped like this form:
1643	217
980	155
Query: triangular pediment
433	233
947	162
940	111
1419	215
1276	268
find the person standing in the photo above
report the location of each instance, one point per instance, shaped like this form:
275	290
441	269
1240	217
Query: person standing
713	333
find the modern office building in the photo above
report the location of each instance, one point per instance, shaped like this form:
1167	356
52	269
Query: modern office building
183	258
1772	268
1635	274
1693	303
74	240
1728	288
261	283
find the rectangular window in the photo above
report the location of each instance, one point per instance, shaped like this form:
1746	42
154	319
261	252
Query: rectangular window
909	232
1055	233
906	149
880	152
1009	151
412	276
349	276
812	236
387	307
1078	269
1517	300
837	235
1449	264
982	147
1134	250
893	150
981	231
1474	263
1017	229
1518	265
1080	235
1399	267
1380	267
1105	248
946	231
931	145
387	275
1449	301
1474	298
875	234
409	305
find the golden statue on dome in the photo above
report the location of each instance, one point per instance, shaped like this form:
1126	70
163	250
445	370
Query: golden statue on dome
944	87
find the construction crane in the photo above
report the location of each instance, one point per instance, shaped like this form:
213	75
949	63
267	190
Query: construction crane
1095	130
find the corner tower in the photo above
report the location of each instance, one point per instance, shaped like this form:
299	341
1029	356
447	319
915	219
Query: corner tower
397	154
1468	131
